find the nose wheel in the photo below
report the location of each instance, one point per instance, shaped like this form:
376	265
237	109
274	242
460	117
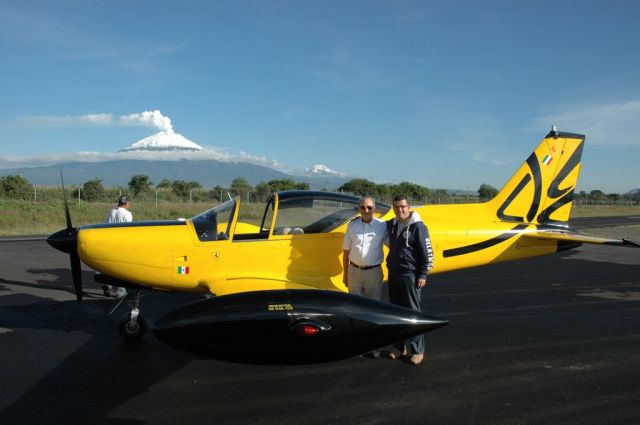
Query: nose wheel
132	326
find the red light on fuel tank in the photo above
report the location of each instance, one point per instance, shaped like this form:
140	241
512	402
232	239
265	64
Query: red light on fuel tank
307	327
307	330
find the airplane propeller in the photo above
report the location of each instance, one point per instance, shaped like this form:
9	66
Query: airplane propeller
66	240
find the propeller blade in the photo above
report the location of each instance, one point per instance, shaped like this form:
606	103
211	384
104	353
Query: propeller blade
66	240
66	206
76	273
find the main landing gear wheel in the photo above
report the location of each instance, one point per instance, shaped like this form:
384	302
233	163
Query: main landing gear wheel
132	326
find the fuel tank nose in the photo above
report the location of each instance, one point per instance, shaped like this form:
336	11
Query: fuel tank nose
289	326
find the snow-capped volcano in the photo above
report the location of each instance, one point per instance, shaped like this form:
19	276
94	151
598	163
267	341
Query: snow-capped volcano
166	140
321	169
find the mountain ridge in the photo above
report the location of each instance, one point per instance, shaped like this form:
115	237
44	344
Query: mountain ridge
208	173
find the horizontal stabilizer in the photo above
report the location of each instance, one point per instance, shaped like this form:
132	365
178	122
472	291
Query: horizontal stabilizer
569	235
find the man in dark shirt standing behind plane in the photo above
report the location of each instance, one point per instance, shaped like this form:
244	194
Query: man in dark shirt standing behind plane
410	259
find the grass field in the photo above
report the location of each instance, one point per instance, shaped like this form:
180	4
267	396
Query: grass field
29	218
43	218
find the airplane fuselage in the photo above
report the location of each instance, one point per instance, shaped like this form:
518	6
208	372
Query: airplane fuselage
169	255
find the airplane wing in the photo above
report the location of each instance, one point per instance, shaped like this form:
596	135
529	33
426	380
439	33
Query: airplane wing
572	236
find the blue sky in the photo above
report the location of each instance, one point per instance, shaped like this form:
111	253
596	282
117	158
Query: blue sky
445	94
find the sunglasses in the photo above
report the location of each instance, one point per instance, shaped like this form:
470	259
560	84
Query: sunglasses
366	207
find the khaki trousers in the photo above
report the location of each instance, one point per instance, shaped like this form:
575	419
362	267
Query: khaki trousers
367	283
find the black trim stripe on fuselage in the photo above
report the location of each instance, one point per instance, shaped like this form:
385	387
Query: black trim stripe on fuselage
136	224
484	244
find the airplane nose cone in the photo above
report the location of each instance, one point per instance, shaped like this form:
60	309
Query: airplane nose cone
64	240
289	326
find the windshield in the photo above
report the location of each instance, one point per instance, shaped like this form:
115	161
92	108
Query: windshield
214	224
309	215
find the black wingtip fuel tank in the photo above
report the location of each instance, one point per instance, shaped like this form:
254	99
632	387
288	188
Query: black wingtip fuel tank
289	326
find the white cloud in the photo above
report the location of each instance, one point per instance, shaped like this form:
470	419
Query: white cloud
255	159
70	120
203	155
613	123
479	140
97	118
480	153
153	119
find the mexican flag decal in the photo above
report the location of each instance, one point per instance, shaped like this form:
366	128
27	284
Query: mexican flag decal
183	270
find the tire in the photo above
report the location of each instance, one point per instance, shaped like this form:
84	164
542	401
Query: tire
132	334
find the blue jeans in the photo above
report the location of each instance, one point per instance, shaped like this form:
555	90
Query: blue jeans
404	292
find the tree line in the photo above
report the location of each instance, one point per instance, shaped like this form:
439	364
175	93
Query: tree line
140	186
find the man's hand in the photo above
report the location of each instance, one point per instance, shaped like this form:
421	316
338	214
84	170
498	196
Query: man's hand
345	267
421	283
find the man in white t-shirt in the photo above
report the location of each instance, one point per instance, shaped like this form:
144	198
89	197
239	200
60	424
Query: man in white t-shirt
119	214
363	254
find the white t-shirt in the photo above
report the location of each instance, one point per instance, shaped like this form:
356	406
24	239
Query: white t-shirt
364	241
119	215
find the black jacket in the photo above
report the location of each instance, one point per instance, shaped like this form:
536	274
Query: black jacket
410	250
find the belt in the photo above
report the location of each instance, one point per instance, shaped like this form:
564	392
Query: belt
363	267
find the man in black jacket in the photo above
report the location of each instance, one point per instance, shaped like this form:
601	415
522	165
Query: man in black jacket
410	259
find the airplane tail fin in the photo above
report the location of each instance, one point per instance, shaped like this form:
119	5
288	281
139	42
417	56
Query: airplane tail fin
541	191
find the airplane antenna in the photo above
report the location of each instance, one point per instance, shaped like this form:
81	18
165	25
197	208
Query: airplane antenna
554	130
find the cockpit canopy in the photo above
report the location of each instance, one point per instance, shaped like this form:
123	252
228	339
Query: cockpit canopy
286	213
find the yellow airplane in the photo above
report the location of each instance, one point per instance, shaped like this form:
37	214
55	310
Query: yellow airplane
298	244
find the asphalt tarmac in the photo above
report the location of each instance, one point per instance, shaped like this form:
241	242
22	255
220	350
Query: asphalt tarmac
548	340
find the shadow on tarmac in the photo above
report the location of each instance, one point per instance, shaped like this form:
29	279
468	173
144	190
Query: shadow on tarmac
81	386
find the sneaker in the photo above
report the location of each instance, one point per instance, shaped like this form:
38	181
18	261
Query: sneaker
120	293
416	359
114	291
373	355
397	355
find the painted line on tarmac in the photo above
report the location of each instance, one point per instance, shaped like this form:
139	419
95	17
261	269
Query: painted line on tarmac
24	239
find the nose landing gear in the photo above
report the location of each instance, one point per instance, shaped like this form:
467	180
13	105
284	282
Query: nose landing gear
132	326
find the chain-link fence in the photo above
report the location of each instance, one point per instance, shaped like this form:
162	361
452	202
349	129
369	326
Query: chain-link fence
43	194
46	194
